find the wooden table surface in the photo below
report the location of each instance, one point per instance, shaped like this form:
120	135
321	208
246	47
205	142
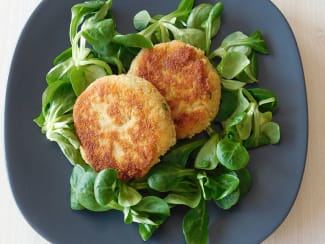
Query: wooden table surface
305	223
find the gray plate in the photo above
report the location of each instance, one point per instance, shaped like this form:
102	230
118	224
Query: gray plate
39	173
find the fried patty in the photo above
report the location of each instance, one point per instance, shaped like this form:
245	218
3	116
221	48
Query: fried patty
123	123
188	81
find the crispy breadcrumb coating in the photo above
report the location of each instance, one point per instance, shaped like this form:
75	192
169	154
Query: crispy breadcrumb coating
124	123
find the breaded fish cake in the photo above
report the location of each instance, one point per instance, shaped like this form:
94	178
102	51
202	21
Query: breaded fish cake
188	81
124	123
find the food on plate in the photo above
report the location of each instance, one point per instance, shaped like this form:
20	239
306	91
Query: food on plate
121	124
188	81
124	123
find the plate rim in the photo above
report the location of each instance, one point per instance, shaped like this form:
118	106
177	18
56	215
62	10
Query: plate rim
42	4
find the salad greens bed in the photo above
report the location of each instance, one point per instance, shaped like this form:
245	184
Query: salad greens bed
194	171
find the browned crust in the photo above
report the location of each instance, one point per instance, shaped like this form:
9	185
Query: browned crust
122	124
188	81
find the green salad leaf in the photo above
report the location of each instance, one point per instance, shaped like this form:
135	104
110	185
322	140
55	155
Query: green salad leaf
232	154
105	185
56	120
195	26
141	20
128	196
228	201
190	199
217	187
207	156
195	224
181	154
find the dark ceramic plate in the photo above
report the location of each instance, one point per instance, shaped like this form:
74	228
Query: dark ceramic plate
39	173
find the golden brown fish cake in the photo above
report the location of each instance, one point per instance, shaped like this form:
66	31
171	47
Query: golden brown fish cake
124	123
188	81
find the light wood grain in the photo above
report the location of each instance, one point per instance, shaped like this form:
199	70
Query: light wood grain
305	223
13	227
